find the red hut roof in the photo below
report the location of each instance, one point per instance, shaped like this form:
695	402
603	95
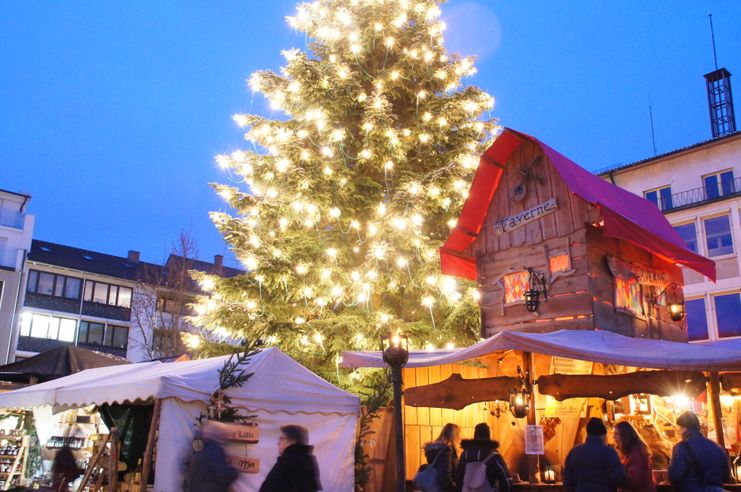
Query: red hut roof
627	216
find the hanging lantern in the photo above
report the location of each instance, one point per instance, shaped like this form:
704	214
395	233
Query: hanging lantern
536	286
674	301
519	399
549	474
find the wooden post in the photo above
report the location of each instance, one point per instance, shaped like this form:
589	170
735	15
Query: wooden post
113	462
151	439
91	465
533	460
714	397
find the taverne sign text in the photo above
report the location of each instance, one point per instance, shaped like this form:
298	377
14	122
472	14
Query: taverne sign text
506	224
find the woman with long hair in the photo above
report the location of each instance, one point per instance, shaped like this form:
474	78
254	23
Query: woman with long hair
442	455
635	456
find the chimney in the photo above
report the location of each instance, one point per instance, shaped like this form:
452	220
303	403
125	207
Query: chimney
133	256
218	264
720	102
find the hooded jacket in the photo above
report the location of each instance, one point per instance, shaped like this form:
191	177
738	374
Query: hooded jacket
497	473
295	471
446	463
698	462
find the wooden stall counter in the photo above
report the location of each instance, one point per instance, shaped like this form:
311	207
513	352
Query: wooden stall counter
558	487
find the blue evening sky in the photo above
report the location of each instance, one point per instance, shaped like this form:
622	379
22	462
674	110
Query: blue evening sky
111	112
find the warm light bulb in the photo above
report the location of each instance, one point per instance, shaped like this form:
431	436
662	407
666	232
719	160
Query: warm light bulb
208	284
428	301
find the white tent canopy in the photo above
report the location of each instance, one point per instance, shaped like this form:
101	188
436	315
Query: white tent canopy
280	391
594	346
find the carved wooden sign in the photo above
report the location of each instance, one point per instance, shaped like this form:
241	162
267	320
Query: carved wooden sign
457	393
232	432
642	275
506	224
244	464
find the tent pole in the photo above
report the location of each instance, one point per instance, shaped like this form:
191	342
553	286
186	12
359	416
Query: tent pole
113	461
533	460
152	436
714	396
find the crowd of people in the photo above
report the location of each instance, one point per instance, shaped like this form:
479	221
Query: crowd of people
697	464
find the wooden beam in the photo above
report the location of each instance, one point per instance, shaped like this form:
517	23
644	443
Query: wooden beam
612	387
714	397
533	460
113	461
457	392
151	439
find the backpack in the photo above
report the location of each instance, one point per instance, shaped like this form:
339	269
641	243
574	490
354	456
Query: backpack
426	478
474	478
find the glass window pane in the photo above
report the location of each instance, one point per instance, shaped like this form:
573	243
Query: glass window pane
121	337
67	330
727	309
108	339
112	293
88	290
82	334
688	234
697	320
718	233
95	334
53	328
666	198
33	277
711	187
124	297
72	288
25	324
59	286
39	325
46	283
727	183
100	294
652	196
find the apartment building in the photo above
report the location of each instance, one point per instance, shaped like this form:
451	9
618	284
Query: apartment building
16	231
699	190
113	304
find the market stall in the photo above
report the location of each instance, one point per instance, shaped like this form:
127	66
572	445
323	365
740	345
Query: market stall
280	391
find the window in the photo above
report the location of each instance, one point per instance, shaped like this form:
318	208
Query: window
688	233
718	236
515	285
697	321
559	263
661	197
719	184
103	293
93	333
727	309
50	284
43	326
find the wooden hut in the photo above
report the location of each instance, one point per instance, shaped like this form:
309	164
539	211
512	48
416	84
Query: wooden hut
598	256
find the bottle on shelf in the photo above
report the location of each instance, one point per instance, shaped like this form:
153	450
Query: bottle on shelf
138	472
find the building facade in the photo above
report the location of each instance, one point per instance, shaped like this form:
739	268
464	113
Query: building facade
16	231
698	188
113	304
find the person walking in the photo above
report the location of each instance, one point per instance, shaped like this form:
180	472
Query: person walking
593	466
635	458
482	449
697	464
441	454
296	469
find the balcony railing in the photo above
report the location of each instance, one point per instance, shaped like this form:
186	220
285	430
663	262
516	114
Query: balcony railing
701	195
11	218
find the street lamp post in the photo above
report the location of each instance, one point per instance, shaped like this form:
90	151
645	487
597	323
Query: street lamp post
395	350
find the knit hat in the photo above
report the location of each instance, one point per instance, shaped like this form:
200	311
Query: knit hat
595	427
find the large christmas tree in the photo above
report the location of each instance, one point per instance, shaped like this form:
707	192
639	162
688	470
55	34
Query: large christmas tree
342	204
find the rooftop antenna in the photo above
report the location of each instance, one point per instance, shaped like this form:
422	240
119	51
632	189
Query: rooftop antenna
712	37
651	118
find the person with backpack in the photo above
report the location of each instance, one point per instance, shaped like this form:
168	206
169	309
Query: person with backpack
697	464
442	460
593	466
481	468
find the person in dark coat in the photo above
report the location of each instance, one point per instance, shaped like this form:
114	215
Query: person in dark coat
441	453
296	469
480	448
64	468
208	468
697	464
593	466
